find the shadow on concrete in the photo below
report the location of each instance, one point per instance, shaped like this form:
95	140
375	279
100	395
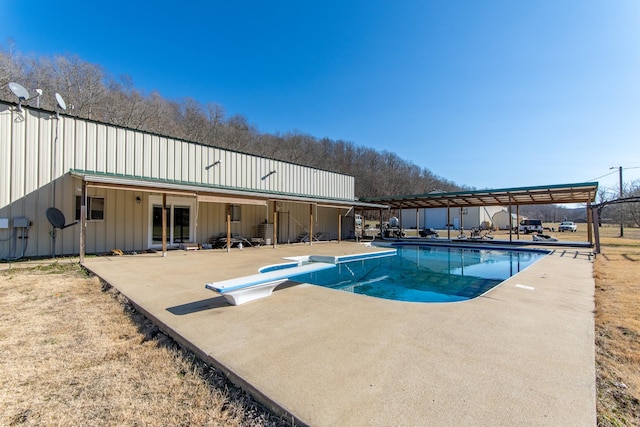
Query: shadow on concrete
196	306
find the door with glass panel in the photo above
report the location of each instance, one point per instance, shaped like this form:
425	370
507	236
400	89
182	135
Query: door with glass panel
178	224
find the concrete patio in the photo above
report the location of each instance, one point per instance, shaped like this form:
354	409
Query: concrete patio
520	355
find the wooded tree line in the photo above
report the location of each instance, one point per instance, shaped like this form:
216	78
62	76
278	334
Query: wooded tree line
90	92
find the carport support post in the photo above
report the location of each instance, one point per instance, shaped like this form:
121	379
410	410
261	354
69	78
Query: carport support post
448	220
83	221
596	228
164	224
418	221
518	221
510	221
339	226
589	222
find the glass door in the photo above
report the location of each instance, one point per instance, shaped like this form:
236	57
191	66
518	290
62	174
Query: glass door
179	222
156	227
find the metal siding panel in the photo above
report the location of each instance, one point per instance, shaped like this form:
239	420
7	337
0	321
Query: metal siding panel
207	160
67	241
111	148
169	166
227	169
80	144
30	169
295	177
219	169
90	147
40	241
188	162
156	157
65	158
121	151
6	129
45	151
177	161
101	148
198	165
130	152
138	159
147	156
17	161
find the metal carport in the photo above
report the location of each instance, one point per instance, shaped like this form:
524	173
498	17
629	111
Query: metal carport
544	194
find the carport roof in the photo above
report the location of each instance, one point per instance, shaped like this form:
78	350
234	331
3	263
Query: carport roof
545	194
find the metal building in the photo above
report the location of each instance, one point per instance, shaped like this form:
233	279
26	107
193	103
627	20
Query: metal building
120	183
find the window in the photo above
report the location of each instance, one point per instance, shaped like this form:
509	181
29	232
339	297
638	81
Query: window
95	208
235	213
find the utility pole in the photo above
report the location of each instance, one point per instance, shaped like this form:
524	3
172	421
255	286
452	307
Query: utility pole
622	205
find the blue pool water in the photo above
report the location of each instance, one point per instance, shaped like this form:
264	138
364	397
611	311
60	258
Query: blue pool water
426	273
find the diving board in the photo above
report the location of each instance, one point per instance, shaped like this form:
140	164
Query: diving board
249	288
330	259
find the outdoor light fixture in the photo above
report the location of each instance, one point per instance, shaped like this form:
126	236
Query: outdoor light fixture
138	199
268	175
217	162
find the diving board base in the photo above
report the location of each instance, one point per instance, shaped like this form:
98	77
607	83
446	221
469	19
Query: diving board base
252	293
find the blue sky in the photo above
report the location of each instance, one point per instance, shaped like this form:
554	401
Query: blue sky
488	94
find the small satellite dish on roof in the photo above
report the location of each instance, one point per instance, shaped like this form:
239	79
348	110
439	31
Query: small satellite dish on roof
60	101
18	90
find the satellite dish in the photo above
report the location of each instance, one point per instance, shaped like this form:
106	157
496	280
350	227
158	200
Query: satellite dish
18	90
60	101
56	218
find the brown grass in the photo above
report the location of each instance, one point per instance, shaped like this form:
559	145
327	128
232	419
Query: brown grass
617	277
73	354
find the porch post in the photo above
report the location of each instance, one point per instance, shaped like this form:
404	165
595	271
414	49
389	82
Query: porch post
83	221
164	224
418	221
310	224
339	226
228	227
275	224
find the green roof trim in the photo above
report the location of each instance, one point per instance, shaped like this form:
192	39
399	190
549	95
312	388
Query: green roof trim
198	186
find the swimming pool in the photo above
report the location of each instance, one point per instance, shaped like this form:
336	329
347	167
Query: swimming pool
426	273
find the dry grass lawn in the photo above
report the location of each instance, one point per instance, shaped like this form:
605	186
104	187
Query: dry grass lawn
74	353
